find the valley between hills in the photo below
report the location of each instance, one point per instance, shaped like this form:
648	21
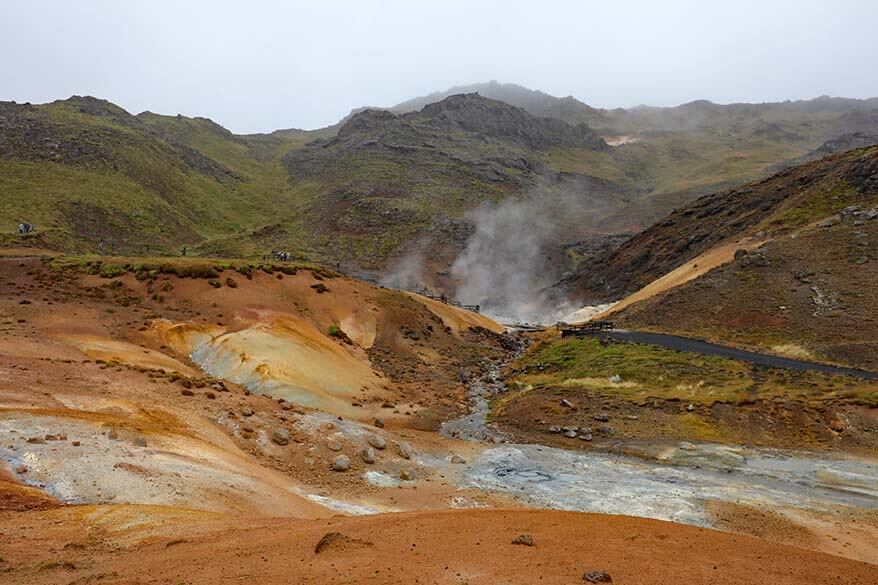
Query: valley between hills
349	355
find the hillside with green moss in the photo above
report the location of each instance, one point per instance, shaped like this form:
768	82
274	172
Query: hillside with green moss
94	178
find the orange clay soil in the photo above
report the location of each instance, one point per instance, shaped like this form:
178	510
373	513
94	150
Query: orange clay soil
716	256
115	546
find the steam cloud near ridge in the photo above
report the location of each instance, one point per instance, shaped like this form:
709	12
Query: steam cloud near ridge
513	254
503	265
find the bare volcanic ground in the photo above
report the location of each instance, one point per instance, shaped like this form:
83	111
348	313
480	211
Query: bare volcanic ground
175	422
450	547
809	295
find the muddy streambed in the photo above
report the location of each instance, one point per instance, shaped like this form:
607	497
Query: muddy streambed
668	483
678	490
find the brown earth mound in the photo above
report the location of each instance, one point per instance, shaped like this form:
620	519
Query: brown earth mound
450	547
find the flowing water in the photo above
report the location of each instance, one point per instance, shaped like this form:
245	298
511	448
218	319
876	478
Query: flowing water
673	485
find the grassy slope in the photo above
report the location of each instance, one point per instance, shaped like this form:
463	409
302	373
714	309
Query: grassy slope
808	290
650	372
143	192
139	189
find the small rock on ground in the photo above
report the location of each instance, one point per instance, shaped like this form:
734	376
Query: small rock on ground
404	450
368	455
407	475
457	460
377	441
525	539
597	577
281	436
341	463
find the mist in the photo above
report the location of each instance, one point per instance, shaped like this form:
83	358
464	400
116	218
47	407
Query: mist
266	64
514	253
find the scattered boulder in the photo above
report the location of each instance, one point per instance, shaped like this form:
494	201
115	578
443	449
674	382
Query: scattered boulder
567	403
407	475
187	392
341	463
597	577
523	539
332	540
21	469
379	422
457	460
571	434
830	221
555	430
333	446
247	411
368	455
377	441
404	450
615	379
281	436
602	418
690	407
139	441
585	437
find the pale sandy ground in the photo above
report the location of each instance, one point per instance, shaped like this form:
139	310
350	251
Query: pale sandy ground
457	319
711	259
622	140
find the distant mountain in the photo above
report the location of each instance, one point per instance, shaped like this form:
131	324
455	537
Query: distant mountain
536	102
95	178
386	179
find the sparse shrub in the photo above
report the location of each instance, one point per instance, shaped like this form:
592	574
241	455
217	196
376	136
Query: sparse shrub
111	271
231	283
214	283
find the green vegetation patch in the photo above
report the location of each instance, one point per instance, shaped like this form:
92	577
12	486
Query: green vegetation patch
648	372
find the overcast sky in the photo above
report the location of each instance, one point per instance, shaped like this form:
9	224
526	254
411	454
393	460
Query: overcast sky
256	65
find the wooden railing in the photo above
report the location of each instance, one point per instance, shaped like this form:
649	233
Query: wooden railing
582	329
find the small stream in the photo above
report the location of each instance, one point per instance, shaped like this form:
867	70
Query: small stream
675	485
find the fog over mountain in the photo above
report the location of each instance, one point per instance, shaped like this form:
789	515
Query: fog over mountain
270	64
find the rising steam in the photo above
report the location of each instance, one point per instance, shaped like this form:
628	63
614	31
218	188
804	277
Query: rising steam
514	252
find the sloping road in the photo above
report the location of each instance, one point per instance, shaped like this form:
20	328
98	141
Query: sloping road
712	349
